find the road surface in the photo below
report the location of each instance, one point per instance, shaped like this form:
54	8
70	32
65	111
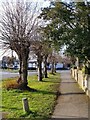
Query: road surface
4	75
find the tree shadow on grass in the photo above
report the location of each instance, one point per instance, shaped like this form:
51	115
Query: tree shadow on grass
51	81
36	91
33	90
33	115
27	88
12	108
45	92
56	93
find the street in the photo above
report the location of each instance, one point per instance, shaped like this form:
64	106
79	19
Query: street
6	74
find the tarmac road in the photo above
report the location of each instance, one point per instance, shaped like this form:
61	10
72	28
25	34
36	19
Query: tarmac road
8	74
4	74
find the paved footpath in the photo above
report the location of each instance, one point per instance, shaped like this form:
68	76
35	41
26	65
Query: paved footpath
72	103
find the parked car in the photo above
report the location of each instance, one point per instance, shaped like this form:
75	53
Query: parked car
4	66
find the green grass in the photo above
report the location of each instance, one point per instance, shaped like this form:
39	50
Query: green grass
41	101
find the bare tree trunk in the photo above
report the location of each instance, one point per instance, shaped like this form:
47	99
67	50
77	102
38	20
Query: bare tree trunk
55	67
45	67
39	60
52	68
25	70
20	70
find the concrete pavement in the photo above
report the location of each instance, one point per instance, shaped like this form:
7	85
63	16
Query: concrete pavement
72	103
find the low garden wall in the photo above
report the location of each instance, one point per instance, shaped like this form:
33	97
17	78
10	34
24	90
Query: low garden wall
82	79
76	74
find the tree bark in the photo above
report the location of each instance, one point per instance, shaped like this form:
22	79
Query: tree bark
20	70
52	68
55	67
23	73
25	70
45	67
39	60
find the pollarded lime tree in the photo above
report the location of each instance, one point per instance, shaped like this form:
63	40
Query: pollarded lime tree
41	48
19	23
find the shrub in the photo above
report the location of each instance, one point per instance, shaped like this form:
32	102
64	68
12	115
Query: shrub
11	84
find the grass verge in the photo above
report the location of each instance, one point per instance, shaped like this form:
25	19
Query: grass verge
41	101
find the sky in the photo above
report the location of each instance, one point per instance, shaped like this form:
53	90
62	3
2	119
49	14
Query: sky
43	3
